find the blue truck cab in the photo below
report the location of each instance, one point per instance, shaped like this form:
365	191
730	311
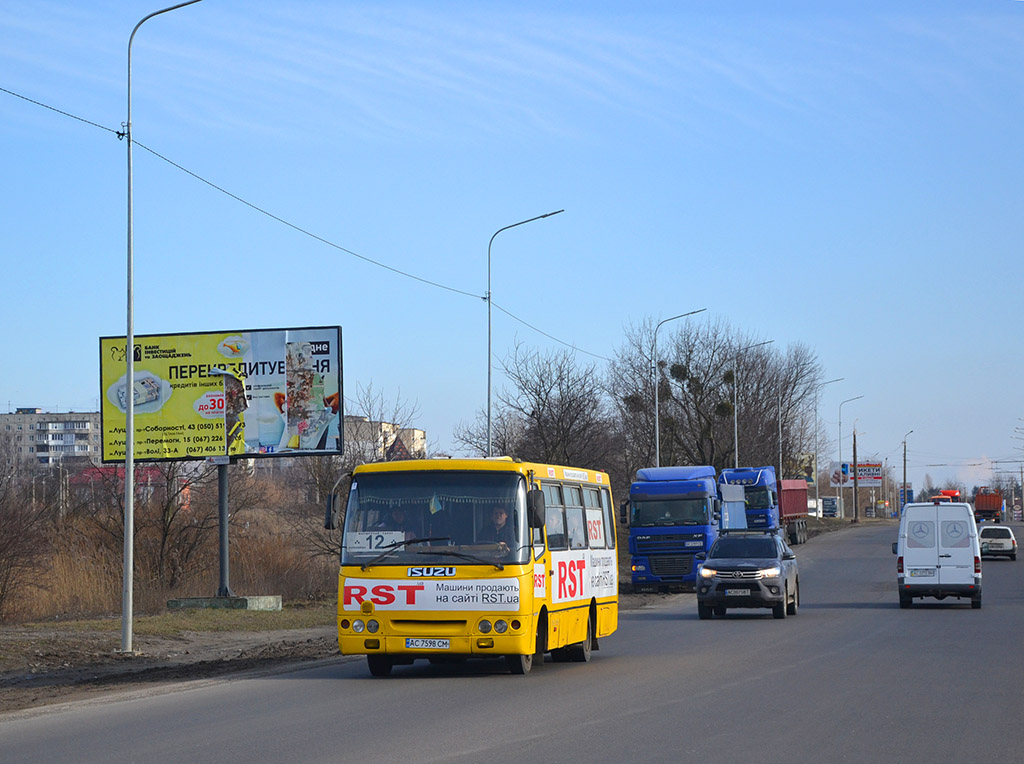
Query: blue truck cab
761	494
673	515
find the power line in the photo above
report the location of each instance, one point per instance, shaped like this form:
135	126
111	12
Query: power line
120	135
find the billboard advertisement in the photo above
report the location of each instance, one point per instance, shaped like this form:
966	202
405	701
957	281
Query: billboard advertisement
260	392
869	474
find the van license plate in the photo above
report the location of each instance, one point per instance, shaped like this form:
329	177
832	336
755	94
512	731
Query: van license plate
426	644
920	572
737	592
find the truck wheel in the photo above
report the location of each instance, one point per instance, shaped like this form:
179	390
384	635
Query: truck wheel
795	604
779	611
703	612
380	665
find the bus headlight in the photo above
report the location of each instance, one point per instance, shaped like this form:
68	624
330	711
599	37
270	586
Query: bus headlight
358	626
372	626
500	627
485	627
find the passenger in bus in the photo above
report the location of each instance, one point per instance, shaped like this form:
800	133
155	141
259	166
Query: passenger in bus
499	530
396	520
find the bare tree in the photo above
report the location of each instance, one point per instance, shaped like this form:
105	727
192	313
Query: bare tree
704	371
24	541
553	410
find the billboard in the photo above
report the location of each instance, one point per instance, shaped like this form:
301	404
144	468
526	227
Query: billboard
869	474
260	392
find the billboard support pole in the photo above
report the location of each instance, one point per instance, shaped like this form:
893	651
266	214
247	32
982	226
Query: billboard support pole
224	590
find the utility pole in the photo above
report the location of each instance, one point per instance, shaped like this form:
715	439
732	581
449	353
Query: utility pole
856	509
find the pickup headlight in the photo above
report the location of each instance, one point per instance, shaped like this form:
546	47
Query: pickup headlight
708	572
771	572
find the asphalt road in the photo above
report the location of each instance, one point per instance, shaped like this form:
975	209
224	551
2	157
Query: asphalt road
851	678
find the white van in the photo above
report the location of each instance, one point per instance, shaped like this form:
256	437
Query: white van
939	555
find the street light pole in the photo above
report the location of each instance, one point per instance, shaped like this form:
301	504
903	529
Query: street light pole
839	489
488	299
654	377
736	400
129	353
817	393
903	492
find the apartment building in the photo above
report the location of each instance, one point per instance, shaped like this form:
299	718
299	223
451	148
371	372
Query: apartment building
40	437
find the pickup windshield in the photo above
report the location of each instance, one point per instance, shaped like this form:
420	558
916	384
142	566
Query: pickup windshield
650	513
435	518
733	547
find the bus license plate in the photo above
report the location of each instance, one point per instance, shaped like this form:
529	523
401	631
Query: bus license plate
737	592
914	572
426	644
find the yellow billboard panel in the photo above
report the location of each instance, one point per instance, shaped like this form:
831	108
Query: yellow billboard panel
262	392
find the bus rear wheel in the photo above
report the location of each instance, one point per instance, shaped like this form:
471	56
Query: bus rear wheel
580	653
380	665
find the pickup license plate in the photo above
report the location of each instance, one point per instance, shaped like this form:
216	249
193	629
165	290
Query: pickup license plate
737	592
426	644
922	572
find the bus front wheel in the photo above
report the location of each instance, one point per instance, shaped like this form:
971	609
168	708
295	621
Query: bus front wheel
519	664
380	665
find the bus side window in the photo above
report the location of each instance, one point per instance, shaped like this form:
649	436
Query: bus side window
554	516
596	534
609	517
575	527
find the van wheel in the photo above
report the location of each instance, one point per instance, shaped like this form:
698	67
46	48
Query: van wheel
380	665
905	600
976	602
779	611
795	604
704	612
581	653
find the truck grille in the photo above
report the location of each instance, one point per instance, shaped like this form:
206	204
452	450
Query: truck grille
668	543
671	565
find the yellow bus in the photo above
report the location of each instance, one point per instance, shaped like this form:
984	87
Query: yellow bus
448	559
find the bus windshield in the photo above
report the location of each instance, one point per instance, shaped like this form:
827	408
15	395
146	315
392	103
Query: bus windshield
649	513
758	498
436	518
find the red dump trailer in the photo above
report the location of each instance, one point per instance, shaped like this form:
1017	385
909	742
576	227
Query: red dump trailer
793	509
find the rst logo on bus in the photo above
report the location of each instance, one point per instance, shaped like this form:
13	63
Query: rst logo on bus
427	572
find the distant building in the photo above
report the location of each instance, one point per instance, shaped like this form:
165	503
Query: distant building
376	441
41	437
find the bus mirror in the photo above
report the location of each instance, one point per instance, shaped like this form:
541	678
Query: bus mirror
624	511
331	514
535	507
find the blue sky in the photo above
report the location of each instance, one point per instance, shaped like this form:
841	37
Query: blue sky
846	175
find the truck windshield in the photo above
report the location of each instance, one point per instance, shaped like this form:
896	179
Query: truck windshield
758	498
654	512
436	518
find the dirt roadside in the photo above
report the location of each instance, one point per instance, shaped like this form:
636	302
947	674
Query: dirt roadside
46	665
